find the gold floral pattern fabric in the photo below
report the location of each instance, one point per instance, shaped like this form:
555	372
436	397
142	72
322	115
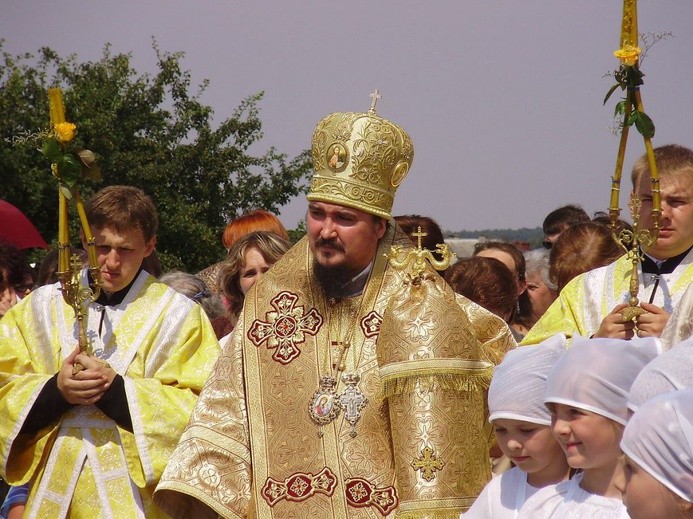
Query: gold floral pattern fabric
252	429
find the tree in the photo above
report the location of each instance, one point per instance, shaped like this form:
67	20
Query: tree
150	131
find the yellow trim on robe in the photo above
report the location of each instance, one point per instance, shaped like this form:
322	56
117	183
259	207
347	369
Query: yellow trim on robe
85	465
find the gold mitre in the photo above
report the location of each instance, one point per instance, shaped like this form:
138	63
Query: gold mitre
359	160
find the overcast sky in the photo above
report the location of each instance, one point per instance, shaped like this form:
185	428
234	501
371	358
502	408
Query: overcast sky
502	98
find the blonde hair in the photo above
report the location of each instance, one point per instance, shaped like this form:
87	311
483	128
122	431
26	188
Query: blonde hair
671	159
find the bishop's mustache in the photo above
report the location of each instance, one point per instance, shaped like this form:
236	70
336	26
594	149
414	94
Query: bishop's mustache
330	244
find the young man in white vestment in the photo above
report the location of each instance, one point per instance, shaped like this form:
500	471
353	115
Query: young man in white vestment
591	304
91	433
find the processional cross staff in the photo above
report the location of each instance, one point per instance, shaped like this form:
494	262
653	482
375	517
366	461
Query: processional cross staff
66	167
629	79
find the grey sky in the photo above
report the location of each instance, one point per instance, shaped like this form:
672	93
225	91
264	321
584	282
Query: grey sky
502	98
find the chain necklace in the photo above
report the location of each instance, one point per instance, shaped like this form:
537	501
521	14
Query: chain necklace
327	403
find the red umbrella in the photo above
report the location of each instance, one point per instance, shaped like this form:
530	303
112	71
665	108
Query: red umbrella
16	229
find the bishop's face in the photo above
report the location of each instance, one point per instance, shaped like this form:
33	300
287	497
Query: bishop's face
342	238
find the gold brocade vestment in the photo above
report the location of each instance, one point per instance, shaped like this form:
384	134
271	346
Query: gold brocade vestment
251	448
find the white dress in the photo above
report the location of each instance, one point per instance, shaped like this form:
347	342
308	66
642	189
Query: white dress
502	497
568	500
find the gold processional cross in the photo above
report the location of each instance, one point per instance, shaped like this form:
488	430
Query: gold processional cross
69	272
629	78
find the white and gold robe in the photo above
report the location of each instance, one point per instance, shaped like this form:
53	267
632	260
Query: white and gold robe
588	298
84	464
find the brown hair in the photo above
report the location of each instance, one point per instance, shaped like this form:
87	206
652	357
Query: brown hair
487	282
410	223
270	245
123	208
671	159
562	218
581	247
257	220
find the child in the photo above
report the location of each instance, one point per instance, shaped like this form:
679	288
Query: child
672	370
587	392
522	426
658	444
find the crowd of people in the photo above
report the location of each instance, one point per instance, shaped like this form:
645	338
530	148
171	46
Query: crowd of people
342	376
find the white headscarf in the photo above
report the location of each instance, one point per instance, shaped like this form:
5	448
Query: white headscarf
596	374
518	385
659	439
672	370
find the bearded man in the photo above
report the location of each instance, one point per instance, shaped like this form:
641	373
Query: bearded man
349	388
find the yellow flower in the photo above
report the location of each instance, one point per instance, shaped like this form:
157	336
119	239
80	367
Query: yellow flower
65	131
628	55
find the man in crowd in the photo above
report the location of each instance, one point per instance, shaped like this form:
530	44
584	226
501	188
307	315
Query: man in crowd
591	305
91	433
349	386
559	220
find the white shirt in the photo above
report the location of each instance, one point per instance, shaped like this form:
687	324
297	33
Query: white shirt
568	500
502	497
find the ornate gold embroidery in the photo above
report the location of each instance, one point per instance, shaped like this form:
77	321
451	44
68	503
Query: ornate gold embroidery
299	486
428	464
361	494
285	328
370	324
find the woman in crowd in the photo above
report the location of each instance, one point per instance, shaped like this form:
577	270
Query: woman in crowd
512	258
257	220
580	248
487	282
249	258
540	289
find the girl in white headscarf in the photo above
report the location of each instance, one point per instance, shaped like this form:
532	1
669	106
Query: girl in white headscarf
587	393
672	370
658	445
523	430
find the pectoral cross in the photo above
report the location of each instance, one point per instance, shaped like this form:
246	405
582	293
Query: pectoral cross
352	401
375	96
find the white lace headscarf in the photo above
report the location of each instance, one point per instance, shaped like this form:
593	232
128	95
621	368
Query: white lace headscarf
518	385
659	439
672	370
596	374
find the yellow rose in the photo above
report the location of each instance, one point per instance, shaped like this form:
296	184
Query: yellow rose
65	131
628	55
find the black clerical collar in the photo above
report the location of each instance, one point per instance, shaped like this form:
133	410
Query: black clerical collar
650	266
114	298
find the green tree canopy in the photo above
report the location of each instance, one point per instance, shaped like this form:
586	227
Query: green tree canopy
149	131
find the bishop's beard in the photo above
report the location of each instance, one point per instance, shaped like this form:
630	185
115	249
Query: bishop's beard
331	279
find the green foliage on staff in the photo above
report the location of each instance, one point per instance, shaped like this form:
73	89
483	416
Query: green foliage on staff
147	130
